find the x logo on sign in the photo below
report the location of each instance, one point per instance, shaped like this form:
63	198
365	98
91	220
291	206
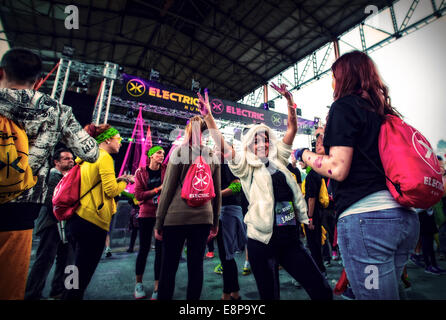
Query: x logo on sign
217	106
135	87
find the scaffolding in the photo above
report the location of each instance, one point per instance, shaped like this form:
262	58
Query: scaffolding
109	73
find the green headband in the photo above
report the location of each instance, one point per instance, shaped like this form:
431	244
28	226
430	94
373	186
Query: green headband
107	134
154	150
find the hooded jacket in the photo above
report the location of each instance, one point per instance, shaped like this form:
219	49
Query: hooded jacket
46	123
257	184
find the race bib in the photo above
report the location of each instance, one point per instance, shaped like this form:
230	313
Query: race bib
285	214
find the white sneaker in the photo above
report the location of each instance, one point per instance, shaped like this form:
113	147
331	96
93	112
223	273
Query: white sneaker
139	291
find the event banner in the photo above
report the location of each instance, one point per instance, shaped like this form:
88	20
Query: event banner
155	93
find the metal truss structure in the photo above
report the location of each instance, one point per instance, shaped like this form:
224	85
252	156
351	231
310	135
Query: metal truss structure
386	17
108	71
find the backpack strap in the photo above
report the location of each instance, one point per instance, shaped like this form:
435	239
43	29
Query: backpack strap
90	188
396	185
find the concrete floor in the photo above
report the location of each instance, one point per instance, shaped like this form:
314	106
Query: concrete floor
114	279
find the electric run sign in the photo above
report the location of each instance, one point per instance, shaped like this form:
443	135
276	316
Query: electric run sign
154	93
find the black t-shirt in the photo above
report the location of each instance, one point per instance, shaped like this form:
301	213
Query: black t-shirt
313	183
282	191
295	171
226	178
351	124
154	182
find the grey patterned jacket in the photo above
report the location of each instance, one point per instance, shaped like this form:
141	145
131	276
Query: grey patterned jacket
46	122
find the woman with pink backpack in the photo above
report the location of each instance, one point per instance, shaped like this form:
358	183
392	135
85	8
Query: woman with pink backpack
376	234
188	210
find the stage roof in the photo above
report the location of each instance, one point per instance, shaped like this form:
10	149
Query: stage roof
232	47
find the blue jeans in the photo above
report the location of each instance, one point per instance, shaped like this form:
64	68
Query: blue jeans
375	246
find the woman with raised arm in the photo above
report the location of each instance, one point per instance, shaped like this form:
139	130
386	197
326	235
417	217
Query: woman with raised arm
375	234
276	204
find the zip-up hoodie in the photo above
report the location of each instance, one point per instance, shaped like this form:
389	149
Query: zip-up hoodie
46	123
258	187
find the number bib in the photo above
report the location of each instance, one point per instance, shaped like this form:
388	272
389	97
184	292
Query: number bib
285	214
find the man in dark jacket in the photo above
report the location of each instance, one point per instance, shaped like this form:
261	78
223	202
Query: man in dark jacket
46	122
51	245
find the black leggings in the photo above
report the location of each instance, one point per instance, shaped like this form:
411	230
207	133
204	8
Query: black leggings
314	241
230	274
173	241
88	241
285	249
145	241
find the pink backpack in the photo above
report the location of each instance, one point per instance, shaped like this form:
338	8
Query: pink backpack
410	165
198	186
66	196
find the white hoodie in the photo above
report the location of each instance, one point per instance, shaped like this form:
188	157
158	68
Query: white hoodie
257	184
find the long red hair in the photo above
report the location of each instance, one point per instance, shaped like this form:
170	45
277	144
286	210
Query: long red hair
356	73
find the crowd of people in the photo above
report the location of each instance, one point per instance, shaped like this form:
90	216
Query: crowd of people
252	199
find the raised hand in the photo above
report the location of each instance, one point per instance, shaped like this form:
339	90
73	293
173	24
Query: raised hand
283	91
203	104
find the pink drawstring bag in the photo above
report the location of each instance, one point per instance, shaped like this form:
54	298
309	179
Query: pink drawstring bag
410	165
198	186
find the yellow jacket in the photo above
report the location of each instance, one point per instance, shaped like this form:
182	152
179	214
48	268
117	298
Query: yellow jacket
98	206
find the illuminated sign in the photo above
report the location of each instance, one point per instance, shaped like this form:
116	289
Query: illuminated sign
157	94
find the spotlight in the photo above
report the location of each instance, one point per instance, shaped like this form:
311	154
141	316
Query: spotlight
195	86
154	75
67	51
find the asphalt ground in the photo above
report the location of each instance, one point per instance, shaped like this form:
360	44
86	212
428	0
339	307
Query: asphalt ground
114	279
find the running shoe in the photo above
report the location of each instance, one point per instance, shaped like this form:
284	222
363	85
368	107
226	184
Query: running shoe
440	270
432	270
246	271
139	291
210	255
154	295
108	253
218	269
295	283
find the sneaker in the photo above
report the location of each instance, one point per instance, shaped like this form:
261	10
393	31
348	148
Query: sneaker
218	269
139	291
246	271
432	270
108	254
210	255
154	295
439	270
416	260
348	294
295	283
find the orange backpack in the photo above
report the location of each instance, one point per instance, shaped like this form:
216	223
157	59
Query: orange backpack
16	175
